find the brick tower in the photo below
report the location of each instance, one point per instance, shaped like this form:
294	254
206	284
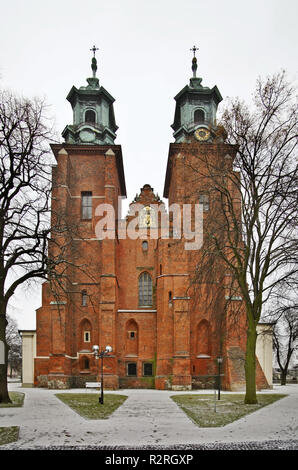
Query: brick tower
200	318
89	172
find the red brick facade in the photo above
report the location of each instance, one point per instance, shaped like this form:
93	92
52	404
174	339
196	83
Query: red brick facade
137	295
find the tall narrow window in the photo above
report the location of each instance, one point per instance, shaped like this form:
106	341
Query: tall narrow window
84	298
199	116
87	338
85	335
86	205
204	201
145	290
90	116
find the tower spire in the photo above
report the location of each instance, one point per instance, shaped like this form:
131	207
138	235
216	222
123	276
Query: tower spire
94	61
194	66
93	113
196	107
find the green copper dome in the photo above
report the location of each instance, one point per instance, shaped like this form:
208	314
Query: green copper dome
93	113
196	106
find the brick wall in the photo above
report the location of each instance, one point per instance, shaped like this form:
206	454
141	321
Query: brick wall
169	332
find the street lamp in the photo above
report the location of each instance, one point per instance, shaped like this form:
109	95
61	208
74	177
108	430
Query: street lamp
219	362
100	354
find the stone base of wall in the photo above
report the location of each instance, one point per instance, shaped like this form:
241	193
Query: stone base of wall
181	382
202	382
173	382
136	382
181	388
59	382
79	381
42	381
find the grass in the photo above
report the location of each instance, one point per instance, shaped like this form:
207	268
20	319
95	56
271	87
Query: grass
201	408
86	404
17	399
9	434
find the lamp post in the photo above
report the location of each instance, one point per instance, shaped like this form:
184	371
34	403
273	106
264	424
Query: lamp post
219	362
100	354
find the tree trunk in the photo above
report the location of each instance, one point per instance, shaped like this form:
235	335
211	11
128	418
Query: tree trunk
283	378
4	396
250	366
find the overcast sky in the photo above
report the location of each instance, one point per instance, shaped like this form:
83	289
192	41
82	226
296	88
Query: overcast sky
144	60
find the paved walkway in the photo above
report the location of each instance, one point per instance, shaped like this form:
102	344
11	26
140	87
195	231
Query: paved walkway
148	417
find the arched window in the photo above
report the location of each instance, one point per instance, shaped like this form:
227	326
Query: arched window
145	246
90	116
145	290
199	116
85	336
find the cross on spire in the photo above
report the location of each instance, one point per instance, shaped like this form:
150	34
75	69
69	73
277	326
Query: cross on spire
194	49
94	49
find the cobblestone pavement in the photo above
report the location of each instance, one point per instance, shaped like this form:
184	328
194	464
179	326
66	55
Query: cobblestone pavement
264	445
148	419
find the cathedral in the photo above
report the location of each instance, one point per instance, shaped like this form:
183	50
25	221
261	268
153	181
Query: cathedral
132	290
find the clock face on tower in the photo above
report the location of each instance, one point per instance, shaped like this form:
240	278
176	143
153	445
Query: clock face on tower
202	134
87	135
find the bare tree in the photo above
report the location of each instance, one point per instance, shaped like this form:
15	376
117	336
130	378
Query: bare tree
250	242
285	341
283	313
14	342
35	242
